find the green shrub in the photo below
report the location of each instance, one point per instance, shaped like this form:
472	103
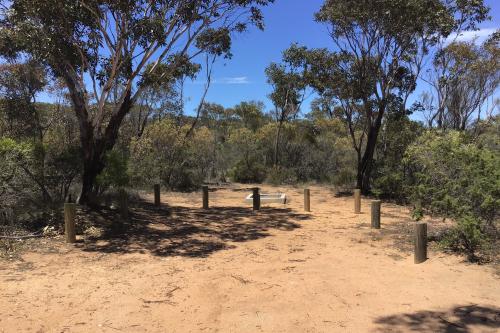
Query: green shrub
281	175
344	179
169	153
243	172
115	172
452	176
467	236
398	133
184	179
389	185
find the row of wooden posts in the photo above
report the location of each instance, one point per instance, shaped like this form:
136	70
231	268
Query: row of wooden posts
420	227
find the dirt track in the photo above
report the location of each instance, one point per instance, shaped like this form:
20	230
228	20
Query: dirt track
182	269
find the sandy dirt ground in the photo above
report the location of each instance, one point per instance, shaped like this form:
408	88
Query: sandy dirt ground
183	269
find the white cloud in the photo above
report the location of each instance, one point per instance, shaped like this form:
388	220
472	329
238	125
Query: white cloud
479	35
225	80
233	80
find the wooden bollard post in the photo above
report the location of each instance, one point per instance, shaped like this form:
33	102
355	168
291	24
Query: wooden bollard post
69	222
420	242
357	201
307	200
123	203
157	195
205	197
256	198
376	214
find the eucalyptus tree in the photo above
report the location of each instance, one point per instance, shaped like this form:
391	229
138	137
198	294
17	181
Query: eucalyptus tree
108	51
288	93
26	119
464	77
20	85
378	51
251	114
156	102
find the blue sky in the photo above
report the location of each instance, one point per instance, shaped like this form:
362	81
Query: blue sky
242	78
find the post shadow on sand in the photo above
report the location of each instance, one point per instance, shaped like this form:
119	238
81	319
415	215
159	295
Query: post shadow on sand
190	232
460	319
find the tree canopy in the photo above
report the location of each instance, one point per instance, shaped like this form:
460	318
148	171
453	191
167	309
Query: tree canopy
378	48
108	52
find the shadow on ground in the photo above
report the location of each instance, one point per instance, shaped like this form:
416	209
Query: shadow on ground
401	230
460	319
190	232
400	233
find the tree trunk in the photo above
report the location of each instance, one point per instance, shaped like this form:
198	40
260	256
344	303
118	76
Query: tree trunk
95	141
95	150
359	176
91	169
365	166
276	145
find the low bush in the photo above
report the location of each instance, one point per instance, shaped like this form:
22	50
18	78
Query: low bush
244	172
281	175
467	236
115	172
449	175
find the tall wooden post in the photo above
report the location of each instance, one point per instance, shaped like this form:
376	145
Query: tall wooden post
307	200
420	242
256	198
205	197
357	201
157	195
376	214
69	222
123	203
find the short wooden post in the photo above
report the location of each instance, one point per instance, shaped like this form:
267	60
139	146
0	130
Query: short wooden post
256	198
123	203
205	197
357	201
157	195
376	214
420	242
307	200
69	222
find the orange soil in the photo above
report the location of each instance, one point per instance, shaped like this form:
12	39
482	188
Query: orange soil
229	269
